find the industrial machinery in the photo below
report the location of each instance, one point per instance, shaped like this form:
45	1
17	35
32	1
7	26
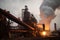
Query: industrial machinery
11	17
32	30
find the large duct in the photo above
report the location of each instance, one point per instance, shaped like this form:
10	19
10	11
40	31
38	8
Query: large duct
47	9
13	18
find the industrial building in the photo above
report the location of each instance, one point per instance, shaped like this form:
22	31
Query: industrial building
27	28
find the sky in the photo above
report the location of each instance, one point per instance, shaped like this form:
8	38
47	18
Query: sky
15	6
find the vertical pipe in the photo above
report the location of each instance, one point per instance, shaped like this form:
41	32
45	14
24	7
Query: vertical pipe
55	26
23	14
43	27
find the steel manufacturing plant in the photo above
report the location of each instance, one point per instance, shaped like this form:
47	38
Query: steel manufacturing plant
27	26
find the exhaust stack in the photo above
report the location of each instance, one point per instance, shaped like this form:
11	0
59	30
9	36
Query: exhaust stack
43	27
55	26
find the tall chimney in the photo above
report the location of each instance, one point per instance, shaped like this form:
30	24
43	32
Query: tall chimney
43	27
55	26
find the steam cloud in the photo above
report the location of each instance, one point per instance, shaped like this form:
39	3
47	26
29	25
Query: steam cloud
47	9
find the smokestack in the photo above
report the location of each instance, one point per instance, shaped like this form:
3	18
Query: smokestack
55	26
43	27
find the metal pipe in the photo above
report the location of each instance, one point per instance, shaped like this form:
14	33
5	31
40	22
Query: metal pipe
55	26
13	18
43	27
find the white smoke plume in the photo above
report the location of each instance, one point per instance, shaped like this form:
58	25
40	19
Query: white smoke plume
47	9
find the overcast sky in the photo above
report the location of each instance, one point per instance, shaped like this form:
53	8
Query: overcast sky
15	6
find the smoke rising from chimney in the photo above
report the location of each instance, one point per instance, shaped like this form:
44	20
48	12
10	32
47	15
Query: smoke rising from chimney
47	9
